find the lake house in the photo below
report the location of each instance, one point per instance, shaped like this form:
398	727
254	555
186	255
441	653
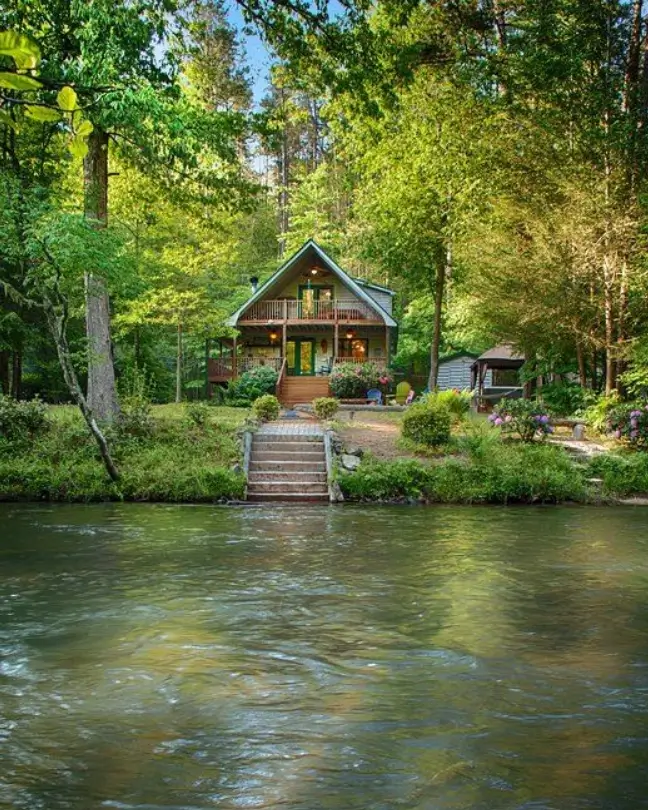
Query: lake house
304	320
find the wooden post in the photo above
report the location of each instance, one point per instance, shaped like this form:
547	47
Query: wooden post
234	360
335	340
387	345
284	340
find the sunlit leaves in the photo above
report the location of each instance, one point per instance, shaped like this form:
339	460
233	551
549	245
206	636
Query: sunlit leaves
17	81
67	99
23	50
43	114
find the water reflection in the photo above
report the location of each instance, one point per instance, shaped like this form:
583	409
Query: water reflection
333	658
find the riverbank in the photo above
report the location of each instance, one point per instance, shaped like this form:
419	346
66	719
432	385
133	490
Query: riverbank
478	467
167	457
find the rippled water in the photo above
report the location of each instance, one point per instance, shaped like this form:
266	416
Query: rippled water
333	658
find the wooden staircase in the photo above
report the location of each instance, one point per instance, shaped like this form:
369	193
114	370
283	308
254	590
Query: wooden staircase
302	390
287	467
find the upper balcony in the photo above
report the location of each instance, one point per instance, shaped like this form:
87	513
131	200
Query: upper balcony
339	310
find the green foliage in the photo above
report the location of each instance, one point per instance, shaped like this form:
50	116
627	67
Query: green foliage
266	407
427	423
566	399
173	463
505	474
135	419
22	420
598	414
622	475
522	416
198	413
457	402
252	384
353	380
325	407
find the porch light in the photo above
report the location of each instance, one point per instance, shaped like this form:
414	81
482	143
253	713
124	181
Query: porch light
350	333
273	335
314	271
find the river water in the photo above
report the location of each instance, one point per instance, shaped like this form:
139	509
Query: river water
333	658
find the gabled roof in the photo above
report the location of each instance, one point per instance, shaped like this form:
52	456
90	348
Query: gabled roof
456	355
371	286
502	352
346	279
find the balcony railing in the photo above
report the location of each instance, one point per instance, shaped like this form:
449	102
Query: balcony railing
221	368
340	310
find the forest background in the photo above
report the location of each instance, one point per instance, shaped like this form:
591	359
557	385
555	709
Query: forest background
484	158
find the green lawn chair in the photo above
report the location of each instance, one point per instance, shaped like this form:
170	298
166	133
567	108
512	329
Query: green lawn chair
402	390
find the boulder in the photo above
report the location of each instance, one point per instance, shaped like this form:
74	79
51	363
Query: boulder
350	462
354	451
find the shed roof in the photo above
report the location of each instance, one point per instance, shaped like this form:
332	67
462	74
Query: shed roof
502	352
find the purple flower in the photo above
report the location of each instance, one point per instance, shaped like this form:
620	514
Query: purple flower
544	419
617	434
549	429
634	434
633	422
499	421
492	417
635	414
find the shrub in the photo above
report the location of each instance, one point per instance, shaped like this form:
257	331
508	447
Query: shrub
22	419
427	423
522	416
325	407
353	380
630	422
566	399
625	474
198	413
135	419
252	384
598	414
515	473
456	401
266	407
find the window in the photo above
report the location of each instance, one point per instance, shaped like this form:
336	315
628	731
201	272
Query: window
355	349
505	378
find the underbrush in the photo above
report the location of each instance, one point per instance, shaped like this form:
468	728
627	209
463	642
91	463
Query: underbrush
507	473
623	474
175	462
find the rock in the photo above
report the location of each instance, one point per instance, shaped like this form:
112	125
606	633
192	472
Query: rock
578	432
236	469
337	445
338	495
350	462
355	451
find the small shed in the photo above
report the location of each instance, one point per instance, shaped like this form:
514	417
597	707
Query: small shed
495	374
454	371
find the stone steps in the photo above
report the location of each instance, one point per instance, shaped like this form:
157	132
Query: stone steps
287	465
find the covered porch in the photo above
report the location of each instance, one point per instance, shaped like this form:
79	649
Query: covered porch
297	351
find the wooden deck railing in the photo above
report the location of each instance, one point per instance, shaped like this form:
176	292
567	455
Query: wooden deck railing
221	368
340	311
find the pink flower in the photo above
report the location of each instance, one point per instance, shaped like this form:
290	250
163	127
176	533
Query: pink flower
498	421
617	434
508	418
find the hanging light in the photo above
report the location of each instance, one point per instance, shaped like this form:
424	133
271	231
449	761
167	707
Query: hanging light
350	333
314	270
273	335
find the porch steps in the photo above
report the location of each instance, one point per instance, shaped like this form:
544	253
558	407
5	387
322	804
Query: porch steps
287	465
302	390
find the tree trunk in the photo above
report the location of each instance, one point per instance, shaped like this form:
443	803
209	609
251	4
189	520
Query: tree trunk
16	374
439	288
178	397
582	369
610	366
57	328
102	391
5	385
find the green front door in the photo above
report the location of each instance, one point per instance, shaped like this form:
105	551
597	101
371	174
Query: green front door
300	354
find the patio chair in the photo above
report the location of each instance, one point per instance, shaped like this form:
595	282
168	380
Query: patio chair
374	396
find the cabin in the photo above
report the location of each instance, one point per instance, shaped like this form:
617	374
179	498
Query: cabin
455	371
303	321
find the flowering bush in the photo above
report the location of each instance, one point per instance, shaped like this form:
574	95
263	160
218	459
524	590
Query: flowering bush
522	416
325	407
630	422
266	408
252	384
353	380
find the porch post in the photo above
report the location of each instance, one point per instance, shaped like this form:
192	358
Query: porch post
335	341
387	345
284	340
234	360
